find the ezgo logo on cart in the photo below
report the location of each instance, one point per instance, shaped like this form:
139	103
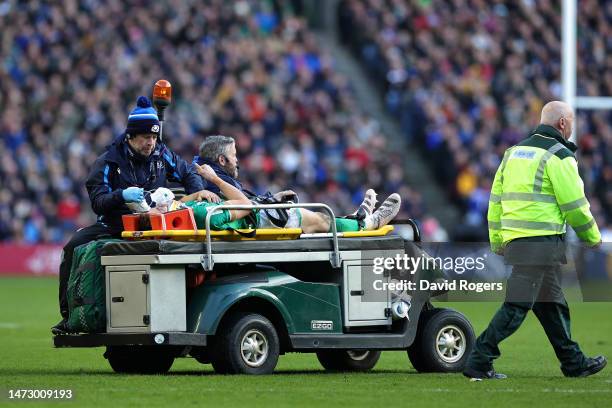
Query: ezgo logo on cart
321	325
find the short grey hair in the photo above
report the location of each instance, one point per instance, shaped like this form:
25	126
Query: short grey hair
214	146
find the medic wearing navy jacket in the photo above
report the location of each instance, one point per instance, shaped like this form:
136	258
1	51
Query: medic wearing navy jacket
134	165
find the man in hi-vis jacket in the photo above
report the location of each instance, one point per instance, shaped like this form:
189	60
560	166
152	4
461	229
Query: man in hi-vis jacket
537	191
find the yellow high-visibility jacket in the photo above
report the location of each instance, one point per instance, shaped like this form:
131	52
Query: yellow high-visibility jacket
537	189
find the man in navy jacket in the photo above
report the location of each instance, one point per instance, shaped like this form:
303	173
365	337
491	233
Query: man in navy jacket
219	152
132	167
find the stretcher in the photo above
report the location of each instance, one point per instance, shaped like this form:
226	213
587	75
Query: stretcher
181	226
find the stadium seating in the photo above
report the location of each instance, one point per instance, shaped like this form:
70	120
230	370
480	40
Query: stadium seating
72	70
468	78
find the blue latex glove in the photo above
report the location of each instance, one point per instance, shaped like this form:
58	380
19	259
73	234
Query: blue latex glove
133	195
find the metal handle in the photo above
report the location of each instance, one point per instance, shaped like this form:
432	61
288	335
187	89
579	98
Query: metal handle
415	228
117	299
207	260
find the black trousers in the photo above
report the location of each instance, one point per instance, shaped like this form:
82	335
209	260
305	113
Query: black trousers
536	288
82	236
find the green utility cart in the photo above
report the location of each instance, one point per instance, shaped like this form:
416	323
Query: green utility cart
239	305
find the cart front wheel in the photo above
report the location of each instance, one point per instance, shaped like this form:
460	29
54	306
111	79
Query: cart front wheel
444	342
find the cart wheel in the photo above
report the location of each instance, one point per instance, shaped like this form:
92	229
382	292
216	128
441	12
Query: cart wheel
246	344
444	342
139	359
348	360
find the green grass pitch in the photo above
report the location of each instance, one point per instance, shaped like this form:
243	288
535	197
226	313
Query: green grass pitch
28	308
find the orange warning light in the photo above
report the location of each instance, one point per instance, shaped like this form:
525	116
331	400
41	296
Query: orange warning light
162	90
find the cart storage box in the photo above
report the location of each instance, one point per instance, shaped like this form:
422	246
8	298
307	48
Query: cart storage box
145	298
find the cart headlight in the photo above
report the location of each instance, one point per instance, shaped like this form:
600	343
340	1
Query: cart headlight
400	309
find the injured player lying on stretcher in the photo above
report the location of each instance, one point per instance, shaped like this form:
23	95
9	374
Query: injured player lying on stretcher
365	218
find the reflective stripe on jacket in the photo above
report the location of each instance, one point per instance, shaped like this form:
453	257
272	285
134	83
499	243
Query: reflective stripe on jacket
537	189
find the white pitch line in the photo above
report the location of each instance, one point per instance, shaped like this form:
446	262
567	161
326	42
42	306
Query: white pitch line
572	391
515	390
10	325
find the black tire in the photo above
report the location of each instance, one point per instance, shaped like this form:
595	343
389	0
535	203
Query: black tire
348	360
139	359
248	329
426	355
414	351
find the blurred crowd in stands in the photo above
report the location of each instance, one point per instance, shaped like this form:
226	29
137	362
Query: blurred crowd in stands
467	79
70	73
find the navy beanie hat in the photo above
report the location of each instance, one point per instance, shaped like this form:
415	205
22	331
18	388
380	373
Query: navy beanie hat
143	119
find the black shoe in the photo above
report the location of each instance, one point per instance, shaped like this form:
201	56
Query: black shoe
483	375
61	327
593	366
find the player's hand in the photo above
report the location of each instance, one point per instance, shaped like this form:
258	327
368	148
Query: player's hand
287	195
209	196
133	195
205	171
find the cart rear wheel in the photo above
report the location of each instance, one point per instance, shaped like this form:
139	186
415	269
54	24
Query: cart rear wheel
348	360
444	342
246	344
139	359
